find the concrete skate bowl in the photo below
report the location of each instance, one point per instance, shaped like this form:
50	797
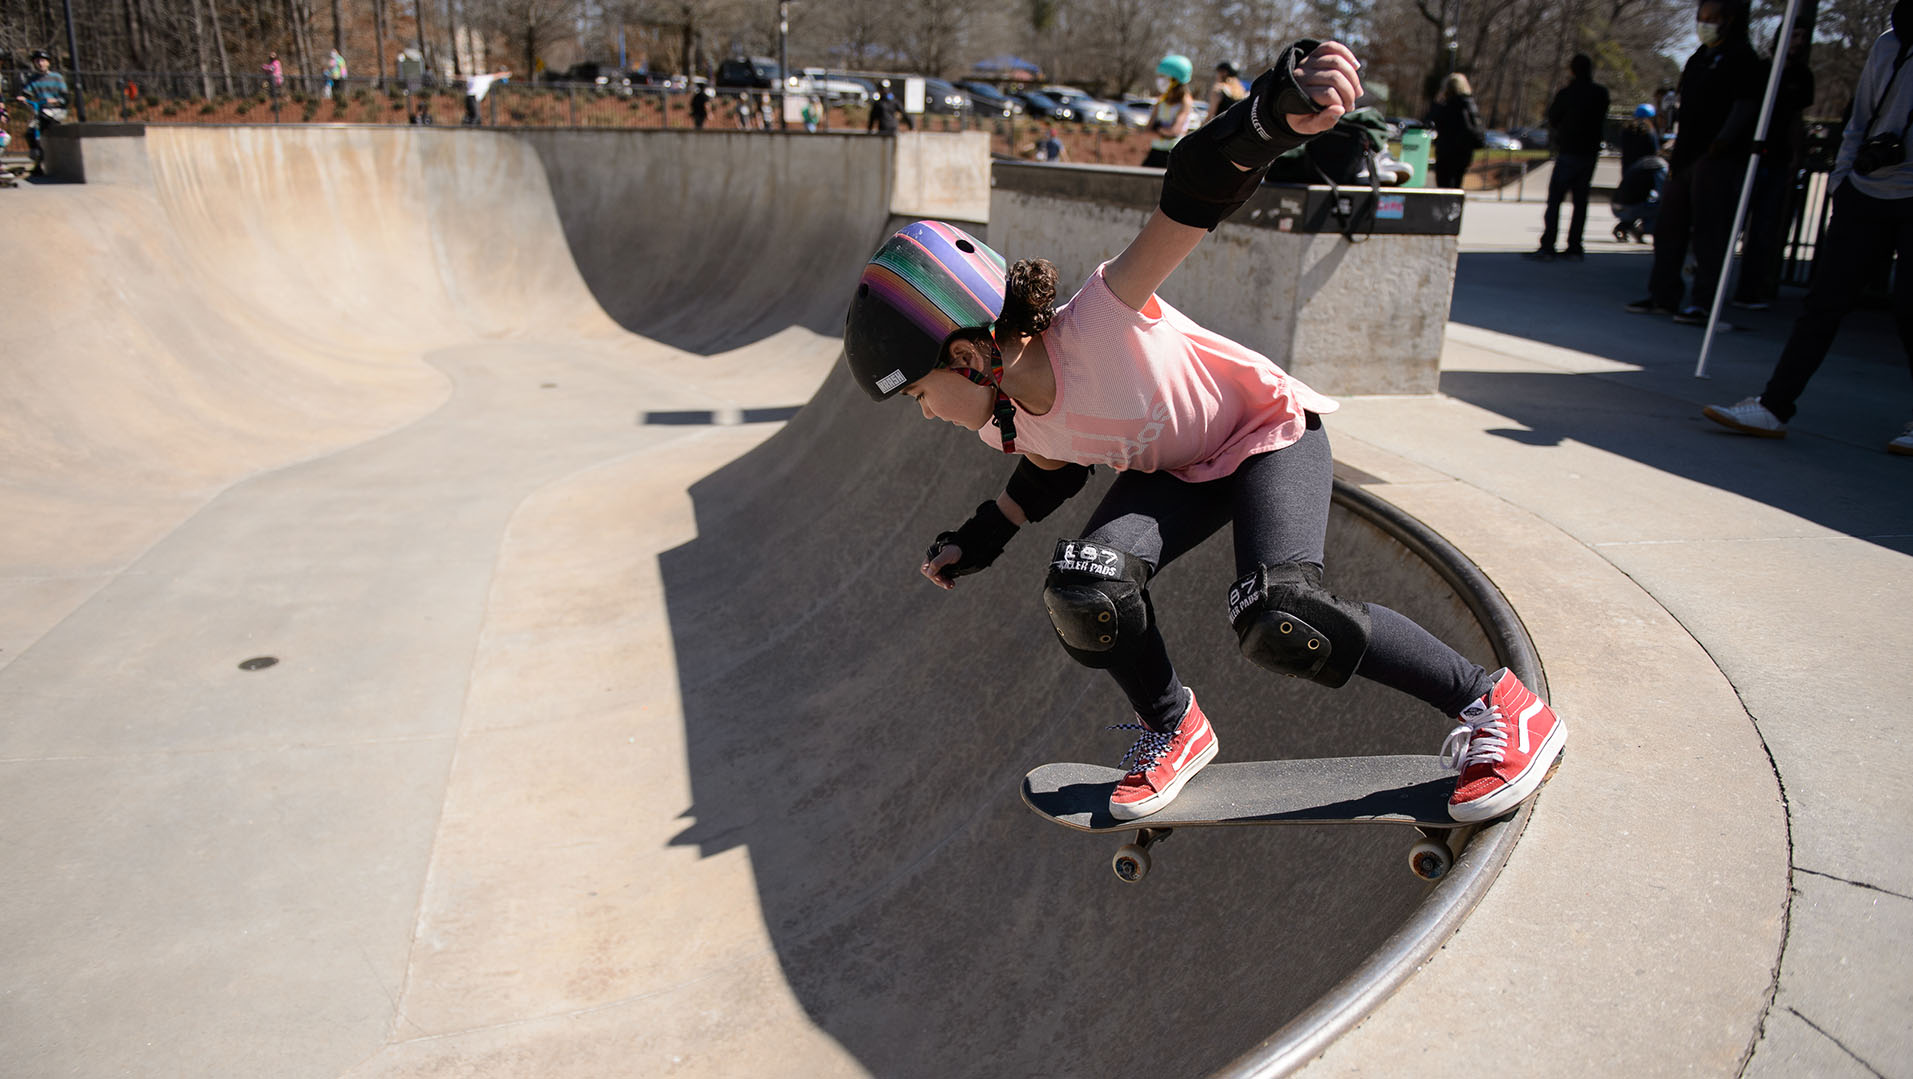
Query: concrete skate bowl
864	734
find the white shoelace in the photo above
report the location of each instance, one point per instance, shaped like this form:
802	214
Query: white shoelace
1149	747
1480	739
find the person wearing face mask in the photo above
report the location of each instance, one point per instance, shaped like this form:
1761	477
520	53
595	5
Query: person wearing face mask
1721	89
1872	184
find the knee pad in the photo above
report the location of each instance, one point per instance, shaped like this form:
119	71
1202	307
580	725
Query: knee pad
1098	600
1287	622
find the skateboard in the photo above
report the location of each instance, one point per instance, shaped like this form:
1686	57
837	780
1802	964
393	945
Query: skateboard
1405	790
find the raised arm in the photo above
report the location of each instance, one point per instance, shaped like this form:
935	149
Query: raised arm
1215	168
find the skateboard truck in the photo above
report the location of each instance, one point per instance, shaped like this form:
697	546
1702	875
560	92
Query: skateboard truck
1430	858
1131	862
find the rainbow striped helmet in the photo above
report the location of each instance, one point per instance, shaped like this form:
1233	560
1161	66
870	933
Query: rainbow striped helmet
924	284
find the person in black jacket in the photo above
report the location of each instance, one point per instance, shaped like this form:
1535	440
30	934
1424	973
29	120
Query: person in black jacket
1576	116
1458	130
1720	93
885	112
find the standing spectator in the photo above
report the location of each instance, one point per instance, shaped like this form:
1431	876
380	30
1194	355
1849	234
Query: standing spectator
1668	103
275	74
1779	161
885	112
700	105
813	111
1872	215
1226	90
1720	93
334	73
45	93
765	112
476	87
1459	131
1049	147
742	111
1175	110
1575	116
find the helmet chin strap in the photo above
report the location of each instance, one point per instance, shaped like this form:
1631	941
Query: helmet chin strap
1003	414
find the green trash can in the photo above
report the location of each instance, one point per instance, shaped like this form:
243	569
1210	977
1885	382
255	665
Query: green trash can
1415	154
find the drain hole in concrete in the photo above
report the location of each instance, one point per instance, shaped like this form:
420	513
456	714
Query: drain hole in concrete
258	663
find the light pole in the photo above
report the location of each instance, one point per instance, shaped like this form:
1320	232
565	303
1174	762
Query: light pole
73	58
783	64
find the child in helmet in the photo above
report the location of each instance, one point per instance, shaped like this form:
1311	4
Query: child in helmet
1202	431
1175	110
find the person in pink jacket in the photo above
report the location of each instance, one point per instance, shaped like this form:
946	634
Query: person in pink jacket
1202	431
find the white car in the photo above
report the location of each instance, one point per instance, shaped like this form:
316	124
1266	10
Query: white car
837	90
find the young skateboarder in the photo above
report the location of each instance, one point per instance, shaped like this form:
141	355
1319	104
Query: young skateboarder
1203	431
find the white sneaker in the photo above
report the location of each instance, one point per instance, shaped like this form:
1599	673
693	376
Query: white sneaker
1902	445
1750	417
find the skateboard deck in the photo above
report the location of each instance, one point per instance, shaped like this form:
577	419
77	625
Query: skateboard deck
1402	790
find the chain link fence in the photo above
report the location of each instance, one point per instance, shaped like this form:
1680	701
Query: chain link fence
188	98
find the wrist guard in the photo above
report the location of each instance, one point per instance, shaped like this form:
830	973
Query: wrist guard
1038	491
1204	184
980	539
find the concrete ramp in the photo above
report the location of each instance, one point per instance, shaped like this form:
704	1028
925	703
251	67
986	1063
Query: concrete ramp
605	737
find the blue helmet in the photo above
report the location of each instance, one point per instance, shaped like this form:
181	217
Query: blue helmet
1643	112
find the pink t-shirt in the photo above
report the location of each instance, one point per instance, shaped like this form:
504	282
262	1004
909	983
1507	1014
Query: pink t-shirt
1154	391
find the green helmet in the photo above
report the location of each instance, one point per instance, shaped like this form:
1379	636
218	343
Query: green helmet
1177	67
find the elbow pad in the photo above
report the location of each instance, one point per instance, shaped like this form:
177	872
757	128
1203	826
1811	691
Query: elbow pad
1039	491
1206	181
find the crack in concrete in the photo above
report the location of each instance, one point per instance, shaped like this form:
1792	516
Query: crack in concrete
1855	883
1857	1058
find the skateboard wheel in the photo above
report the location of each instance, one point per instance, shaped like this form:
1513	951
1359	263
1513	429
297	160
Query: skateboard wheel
1430	859
1131	864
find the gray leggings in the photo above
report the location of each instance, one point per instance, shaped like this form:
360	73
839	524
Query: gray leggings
1279	502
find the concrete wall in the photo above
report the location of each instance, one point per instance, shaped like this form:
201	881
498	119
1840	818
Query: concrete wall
1346	317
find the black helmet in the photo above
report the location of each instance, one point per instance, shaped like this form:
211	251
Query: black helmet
924	284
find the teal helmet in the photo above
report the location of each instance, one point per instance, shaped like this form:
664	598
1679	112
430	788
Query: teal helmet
1177	67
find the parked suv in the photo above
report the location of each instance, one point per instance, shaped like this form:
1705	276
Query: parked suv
755	73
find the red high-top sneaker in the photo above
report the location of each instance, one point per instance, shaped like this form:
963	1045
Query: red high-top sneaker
1503	749
1159	764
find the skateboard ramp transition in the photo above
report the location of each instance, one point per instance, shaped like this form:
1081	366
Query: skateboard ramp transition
417	410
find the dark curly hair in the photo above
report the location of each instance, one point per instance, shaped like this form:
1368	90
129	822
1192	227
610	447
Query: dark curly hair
1029	297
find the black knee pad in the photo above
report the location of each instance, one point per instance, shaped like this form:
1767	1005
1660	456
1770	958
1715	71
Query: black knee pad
1098	600
1287	622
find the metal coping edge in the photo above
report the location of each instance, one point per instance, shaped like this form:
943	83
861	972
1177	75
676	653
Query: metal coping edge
1390	966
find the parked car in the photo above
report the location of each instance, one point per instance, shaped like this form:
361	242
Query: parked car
1532	138
942	97
1038	103
989	99
1500	140
837	89
1136	110
758	73
1087	108
753	73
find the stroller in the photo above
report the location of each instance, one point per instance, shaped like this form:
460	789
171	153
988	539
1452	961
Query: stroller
1637	201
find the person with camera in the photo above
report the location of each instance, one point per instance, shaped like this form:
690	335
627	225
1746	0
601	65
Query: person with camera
1872	185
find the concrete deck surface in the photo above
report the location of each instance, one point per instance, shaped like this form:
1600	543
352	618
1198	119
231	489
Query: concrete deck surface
496	550
1786	561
